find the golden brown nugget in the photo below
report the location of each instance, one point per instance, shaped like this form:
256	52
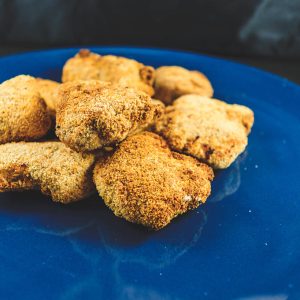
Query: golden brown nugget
86	65
211	130
145	182
94	114
172	82
48	90
156	101
161	107
55	169
23	112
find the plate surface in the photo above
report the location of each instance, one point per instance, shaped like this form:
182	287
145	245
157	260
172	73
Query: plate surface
243	244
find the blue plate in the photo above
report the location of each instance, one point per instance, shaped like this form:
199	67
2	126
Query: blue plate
243	244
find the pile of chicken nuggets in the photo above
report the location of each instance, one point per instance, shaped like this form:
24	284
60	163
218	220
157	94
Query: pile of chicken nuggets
147	140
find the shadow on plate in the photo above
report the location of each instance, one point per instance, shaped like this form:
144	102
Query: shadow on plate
90	220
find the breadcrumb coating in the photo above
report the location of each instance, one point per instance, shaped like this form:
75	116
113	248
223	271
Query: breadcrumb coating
172	82
23	112
147	183
52	167
86	65
156	101
94	114
48	90
211	130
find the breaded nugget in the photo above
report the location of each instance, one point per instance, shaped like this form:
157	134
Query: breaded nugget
172	82
147	183
156	101
86	65
23	112
161	108
208	129
93	114
48	90
52	167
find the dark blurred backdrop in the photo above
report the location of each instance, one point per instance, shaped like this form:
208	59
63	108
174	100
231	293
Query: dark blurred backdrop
265	29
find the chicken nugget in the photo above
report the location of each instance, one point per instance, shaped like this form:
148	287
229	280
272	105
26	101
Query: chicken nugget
23	112
211	130
52	167
156	101
94	114
172	82
86	65
145	182
48	90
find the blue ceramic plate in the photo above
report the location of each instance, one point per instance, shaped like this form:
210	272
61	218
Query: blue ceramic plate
243	244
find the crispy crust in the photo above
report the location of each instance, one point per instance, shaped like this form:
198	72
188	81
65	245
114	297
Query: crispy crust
156	101
208	129
86	65
147	183
23	112
93	114
53	168
172	82
48	90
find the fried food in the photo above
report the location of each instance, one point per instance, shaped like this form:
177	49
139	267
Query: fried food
86	65
211	130
48	90
145	182
23	112
52	167
172	82
156	101
94	114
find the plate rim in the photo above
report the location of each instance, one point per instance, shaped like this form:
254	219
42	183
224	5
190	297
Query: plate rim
157	50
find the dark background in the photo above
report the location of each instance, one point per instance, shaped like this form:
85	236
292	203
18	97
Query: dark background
264	33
